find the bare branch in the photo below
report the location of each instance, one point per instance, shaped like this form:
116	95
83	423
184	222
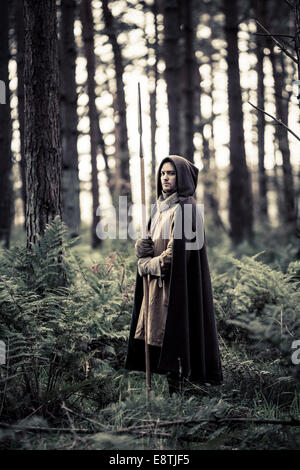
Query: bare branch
279	44
275	35
275	119
150	426
290	3
14	427
92	421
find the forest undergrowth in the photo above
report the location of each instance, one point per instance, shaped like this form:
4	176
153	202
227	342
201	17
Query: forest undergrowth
64	386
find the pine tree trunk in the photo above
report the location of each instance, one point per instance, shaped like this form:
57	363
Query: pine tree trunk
42	118
213	116
281	100
123	185
172	71
20	40
154	74
297	49
69	118
260	13
209	182
153	104
277	179
6	190
297	39
213	172
88	39
200	128
240	193
108	172
188	87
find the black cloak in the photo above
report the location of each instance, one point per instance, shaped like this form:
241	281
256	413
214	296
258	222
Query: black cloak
190	340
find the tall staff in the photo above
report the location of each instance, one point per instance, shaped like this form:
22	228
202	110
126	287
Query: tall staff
144	235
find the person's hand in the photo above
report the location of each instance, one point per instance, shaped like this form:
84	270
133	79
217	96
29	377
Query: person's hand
95	268
144	247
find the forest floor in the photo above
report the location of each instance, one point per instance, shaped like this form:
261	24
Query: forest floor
257	407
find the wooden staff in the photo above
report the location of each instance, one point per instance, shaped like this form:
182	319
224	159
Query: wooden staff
146	279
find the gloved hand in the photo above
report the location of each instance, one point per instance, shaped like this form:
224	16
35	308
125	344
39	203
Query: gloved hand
144	247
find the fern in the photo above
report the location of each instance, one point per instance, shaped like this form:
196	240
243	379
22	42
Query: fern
261	304
56	316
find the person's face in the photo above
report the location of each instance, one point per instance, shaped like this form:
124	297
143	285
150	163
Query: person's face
168	178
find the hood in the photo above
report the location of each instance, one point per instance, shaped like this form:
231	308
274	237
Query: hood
186	175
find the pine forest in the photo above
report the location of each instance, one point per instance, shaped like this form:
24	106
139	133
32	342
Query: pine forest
94	94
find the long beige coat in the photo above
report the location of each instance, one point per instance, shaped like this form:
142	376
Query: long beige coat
158	266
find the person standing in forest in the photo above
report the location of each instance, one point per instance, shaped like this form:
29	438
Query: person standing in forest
182	334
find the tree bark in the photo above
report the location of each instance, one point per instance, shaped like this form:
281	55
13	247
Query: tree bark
69	118
6	189
297	39
153	75
211	92
188	86
282	101
208	175
297	49
123	185
260	9
88	39
277	179
42	118
172	71
213	172
20	40
109	174
240	193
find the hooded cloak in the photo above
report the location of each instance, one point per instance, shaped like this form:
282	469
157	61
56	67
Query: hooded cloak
190	343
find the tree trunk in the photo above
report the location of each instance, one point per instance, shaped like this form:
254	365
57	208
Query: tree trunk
240	193
297	49
20	40
112	174
188	86
108	172
42	118
277	178
260	13
88	39
297	39
6	190
213	116
123	185
282	101
69	118
200	129
172	71
153	75
213	172
209	180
